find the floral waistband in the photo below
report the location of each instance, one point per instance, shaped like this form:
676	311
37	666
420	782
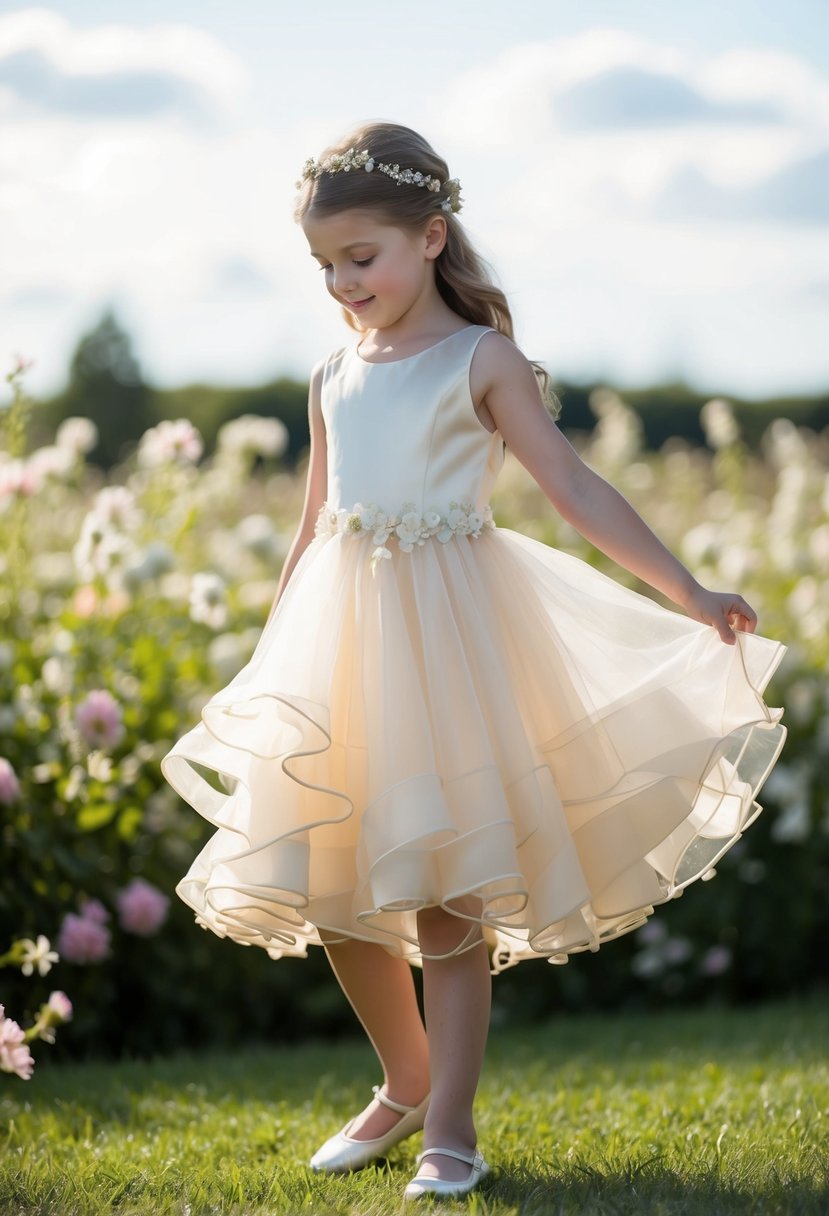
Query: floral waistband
407	527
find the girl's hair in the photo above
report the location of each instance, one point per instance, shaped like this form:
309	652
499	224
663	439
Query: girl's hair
462	277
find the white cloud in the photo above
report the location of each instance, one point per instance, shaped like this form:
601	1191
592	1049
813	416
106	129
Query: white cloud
186	225
67	67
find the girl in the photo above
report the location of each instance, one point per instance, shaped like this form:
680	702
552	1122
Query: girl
453	745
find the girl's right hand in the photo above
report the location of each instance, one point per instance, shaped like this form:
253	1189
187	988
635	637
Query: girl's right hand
724	610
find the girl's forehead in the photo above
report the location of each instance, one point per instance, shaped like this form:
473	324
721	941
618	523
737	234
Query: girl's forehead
344	228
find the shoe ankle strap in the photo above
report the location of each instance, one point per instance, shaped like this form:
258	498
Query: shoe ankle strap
475	1159
390	1103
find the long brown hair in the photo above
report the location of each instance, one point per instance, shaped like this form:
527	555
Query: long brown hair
463	278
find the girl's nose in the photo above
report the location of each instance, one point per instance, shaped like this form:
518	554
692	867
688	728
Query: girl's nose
343	280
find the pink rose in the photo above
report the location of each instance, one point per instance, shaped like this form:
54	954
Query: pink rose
98	718
14	1053
82	940
9	785
142	908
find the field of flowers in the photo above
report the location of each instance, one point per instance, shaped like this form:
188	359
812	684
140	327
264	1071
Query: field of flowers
124	602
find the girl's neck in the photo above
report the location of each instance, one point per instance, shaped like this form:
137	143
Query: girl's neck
411	335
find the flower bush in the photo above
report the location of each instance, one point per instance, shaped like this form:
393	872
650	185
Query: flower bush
126	604
15	1054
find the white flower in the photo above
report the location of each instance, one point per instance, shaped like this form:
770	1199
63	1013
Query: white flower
647	963
50	461
257	533
252	435
719	423
169	442
116	505
379	554
38	954
409	531
794	824
208	602
101	550
409	527
371	516
77	435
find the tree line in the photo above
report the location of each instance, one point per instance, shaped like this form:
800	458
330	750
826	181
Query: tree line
105	383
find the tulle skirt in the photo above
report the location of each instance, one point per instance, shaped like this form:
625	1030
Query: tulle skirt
487	717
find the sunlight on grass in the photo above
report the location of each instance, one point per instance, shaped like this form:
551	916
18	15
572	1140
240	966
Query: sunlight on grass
696	1112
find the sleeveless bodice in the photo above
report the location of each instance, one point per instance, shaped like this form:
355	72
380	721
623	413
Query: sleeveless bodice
406	432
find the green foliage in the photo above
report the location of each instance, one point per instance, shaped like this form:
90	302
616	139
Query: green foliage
105	385
682	1114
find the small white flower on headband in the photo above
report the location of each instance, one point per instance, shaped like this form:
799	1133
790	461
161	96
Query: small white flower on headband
346	161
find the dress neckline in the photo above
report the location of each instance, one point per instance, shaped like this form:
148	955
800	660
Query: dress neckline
417	354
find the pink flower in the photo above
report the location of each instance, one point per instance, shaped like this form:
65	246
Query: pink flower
61	1005
56	1011
98	718
14	1053
142	908
18	478
715	961
9	785
82	940
170	441
94	910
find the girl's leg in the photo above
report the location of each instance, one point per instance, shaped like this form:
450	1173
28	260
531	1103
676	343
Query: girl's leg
456	996
382	994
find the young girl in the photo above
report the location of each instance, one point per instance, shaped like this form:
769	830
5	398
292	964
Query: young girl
455	746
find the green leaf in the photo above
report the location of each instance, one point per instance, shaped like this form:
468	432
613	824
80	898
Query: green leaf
129	823
96	815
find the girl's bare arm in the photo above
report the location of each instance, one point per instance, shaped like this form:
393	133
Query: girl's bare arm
504	386
316	485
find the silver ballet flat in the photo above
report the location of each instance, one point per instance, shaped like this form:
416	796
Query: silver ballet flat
442	1187
343	1153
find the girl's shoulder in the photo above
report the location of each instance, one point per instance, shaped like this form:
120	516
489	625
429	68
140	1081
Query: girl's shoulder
496	356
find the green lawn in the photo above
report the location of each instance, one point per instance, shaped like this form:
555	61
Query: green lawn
701	1112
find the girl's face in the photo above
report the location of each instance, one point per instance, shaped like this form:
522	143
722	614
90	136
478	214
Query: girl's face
376	271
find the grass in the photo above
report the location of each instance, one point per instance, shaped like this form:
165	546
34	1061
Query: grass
694	1113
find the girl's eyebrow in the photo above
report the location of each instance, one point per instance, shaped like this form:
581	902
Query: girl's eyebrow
346	248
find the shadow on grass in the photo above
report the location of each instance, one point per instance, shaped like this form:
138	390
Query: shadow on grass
649	1187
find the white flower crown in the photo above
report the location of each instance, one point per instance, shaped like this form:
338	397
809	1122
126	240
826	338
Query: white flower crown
352	159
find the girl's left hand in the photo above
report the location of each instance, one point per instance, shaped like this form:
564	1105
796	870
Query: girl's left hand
725	610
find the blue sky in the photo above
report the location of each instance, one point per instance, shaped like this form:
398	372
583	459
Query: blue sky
651	182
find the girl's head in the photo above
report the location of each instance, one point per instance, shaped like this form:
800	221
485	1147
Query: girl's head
326	190
420	200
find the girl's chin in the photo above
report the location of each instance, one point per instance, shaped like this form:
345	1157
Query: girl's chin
356	322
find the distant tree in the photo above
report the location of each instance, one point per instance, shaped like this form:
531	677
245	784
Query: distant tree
105	384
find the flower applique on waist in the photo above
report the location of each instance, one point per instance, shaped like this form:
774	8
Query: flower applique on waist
408	527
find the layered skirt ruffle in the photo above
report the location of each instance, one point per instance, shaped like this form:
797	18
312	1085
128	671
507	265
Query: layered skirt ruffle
487	717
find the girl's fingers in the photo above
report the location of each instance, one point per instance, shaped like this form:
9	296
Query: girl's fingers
742	615
723	628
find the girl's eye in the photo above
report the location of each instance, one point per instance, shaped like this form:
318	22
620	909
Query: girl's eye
365	261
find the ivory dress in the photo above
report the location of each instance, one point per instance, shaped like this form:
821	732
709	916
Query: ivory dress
441	707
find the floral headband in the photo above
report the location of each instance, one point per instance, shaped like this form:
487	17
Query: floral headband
345	161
